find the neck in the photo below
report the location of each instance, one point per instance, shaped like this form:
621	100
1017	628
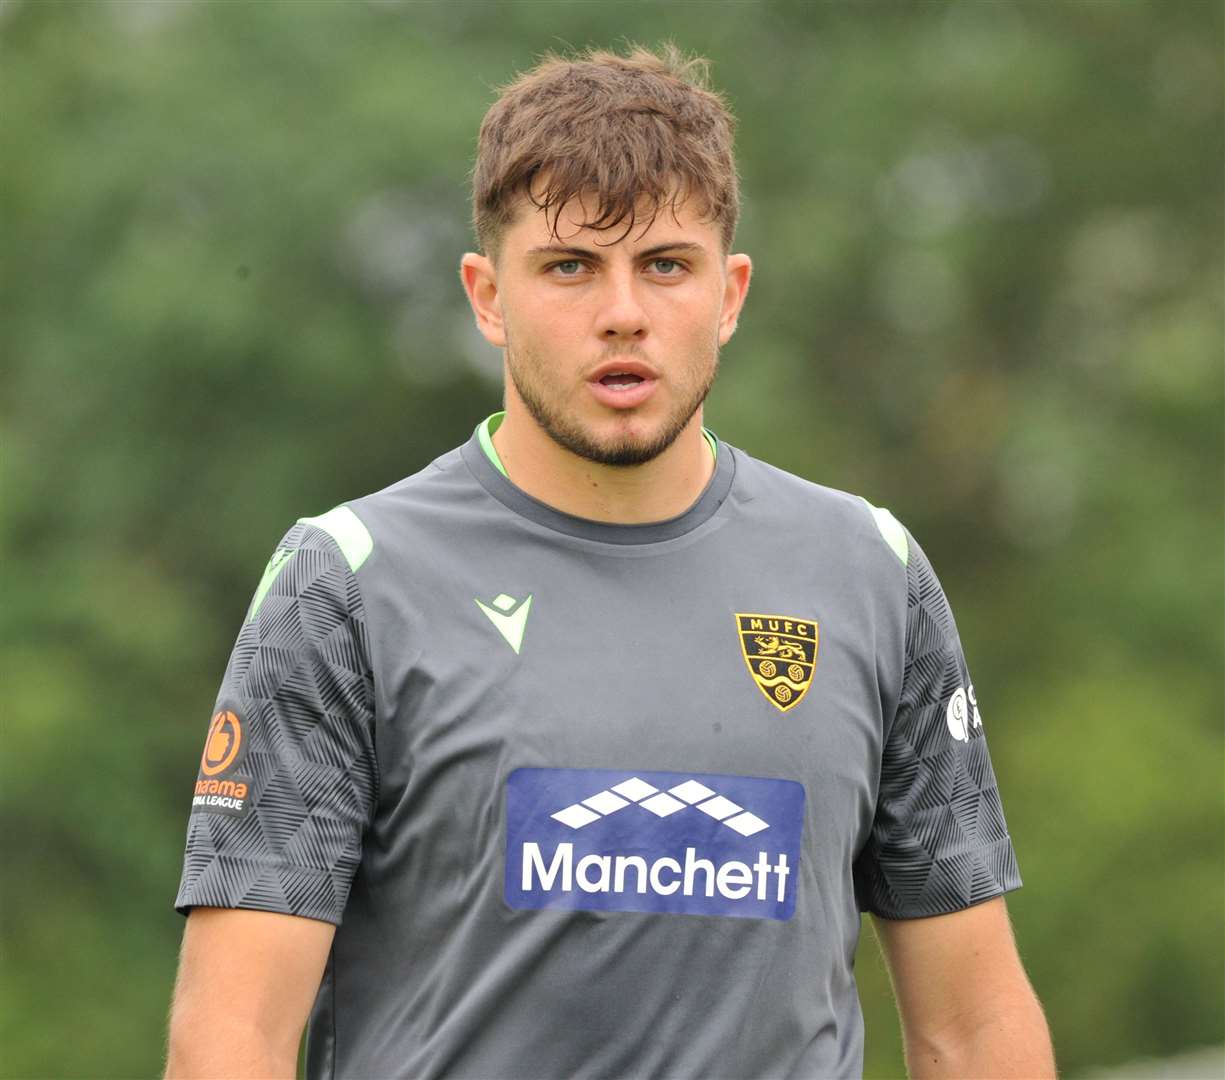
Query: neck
657	490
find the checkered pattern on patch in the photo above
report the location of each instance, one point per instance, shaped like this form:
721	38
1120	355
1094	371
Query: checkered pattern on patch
300	679
637	792
939	842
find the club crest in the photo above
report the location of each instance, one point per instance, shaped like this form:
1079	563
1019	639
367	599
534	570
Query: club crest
781	654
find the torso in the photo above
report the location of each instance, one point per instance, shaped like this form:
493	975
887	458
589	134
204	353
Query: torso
475	942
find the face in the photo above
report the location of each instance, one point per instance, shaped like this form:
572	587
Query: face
611	342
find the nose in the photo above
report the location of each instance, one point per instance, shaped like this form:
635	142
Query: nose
621	314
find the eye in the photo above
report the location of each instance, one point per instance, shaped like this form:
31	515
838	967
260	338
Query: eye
567	268
667	267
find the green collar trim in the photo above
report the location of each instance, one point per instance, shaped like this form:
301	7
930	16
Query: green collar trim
484	433
491	423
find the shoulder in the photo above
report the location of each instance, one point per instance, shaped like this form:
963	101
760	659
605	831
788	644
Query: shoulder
836	520
357	527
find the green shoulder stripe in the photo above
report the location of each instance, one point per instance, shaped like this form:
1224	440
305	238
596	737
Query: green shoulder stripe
271	572
346	528
891	529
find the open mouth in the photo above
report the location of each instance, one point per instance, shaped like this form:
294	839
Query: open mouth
623	383
620	380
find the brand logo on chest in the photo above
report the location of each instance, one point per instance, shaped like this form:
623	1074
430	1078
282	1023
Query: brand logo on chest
677	843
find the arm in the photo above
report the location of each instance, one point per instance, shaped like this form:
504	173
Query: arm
285	789
966	1006
246	982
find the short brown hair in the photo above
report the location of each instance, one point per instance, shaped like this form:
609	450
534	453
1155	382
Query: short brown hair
644	128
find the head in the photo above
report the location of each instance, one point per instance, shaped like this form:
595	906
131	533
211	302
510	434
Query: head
605	203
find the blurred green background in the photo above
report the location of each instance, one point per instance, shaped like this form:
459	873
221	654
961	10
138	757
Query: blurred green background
988	294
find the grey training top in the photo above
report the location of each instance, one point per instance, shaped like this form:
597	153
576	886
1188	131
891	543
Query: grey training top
592	800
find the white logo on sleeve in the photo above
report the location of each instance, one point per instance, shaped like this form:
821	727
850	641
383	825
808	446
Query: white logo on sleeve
958	716
978	717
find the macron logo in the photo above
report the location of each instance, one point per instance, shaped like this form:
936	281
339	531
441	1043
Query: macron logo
653	841
510	617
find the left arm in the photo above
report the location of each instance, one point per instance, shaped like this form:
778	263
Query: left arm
966	1005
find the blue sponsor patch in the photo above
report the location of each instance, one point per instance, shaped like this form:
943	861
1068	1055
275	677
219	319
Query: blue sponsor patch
684	843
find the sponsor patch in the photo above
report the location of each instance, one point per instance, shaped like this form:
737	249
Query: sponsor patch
218	788
678	843
222	743
781	654
230	796
957	715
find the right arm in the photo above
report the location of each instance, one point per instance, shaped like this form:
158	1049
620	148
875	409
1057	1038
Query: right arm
246	983
286	788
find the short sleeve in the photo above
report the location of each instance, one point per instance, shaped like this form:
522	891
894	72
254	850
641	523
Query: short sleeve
939	842
288	778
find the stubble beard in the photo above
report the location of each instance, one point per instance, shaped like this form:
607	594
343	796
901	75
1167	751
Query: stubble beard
567	433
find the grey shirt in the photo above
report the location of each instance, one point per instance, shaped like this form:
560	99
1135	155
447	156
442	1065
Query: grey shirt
589	799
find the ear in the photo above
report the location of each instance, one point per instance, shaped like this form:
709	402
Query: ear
738	271
480	280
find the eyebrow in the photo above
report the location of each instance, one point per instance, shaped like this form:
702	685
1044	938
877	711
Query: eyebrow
594	256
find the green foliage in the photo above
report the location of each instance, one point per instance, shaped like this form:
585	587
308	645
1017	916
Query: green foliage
987	295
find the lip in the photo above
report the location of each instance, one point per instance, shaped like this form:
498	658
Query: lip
623	399
630	367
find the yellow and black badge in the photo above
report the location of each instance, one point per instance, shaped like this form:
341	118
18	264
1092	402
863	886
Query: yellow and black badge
781	653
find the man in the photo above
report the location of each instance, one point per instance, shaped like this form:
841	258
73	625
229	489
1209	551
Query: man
579	752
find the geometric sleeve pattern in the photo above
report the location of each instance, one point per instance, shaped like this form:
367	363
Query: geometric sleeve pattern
938	841
299	690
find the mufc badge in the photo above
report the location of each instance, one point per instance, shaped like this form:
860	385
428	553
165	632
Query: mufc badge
781	653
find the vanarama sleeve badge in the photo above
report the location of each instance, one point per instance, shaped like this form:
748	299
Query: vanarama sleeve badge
222	743
781	654
219	789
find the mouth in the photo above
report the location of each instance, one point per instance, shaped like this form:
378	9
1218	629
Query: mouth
620	380
623	384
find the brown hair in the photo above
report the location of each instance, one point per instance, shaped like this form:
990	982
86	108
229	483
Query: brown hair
635	129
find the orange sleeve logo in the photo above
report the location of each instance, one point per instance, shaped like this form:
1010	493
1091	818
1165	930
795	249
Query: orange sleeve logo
221	745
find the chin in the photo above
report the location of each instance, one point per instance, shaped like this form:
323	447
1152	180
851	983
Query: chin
628	444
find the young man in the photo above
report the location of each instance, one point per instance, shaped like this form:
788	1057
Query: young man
579	752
